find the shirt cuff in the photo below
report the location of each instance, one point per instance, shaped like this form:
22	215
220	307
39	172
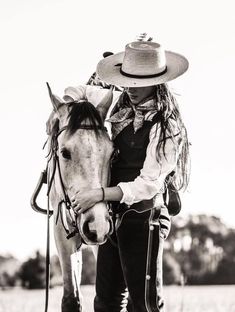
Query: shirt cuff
128	197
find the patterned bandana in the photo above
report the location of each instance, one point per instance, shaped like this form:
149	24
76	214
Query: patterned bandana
124	113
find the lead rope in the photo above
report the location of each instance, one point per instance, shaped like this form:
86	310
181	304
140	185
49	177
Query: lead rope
49	183
47	257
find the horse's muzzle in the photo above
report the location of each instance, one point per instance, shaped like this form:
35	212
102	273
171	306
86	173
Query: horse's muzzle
93	231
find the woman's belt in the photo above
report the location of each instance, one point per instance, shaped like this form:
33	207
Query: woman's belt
141	206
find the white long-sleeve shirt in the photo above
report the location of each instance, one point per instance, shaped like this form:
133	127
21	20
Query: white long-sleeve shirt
155	169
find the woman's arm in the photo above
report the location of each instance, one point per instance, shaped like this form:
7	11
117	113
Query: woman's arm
94	94
85	199
156	167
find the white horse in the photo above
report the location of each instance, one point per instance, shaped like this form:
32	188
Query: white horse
79	157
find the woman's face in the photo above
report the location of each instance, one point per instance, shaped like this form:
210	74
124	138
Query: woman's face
136	95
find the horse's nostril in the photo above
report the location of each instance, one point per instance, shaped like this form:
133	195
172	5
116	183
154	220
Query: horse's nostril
111	226
90	235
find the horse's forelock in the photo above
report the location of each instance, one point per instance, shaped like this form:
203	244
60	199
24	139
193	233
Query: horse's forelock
80	111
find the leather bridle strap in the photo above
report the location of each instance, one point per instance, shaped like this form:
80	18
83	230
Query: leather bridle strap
47	256
66	197
49	183
67	203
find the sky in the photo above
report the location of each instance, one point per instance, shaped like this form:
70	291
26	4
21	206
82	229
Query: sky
61	42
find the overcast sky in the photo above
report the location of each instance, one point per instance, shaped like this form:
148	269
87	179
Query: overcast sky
61	41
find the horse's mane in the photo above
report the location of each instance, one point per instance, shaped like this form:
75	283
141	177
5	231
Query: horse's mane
83	111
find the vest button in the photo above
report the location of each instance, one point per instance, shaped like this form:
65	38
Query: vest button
132	143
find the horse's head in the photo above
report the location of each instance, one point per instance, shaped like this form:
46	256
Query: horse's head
83	152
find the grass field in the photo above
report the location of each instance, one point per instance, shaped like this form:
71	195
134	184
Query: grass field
188	299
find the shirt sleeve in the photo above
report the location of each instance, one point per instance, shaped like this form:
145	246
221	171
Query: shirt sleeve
157	166
94	94
74	93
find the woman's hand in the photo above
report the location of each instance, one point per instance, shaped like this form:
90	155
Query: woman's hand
85	199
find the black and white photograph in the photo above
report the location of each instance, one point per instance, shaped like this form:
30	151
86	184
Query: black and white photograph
117	156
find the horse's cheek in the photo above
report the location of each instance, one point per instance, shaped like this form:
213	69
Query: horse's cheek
70	172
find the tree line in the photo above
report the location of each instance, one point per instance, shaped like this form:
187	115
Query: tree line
199	250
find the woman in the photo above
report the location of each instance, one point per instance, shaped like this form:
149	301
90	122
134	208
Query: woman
151	149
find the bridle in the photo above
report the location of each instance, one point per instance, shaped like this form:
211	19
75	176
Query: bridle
66	200
52	156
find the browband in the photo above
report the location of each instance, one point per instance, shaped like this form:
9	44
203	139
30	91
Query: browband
85	127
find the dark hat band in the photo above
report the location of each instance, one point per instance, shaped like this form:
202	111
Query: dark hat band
143	76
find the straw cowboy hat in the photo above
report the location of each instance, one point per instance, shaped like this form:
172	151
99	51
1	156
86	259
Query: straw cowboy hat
144	63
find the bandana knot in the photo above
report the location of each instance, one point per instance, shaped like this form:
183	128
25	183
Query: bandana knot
125	113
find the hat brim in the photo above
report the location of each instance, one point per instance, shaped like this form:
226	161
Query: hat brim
108	69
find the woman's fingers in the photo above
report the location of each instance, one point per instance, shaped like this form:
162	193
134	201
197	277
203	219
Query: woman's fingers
76	206
82	201
78	209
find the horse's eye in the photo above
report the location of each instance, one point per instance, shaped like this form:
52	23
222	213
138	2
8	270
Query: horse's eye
65	153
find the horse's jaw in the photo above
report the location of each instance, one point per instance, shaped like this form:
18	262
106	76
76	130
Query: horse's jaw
95	224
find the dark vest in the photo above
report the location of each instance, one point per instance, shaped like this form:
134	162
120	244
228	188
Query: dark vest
130	152
129	159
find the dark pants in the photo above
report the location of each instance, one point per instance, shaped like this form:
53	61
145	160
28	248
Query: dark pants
131	259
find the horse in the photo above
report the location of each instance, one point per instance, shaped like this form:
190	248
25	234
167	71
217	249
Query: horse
79	157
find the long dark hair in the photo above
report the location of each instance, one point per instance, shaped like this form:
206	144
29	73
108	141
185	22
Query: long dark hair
172	127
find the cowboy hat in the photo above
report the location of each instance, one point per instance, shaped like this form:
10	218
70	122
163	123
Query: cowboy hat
144	63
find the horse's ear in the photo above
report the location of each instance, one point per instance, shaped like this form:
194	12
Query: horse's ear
105	103
60	111
55	100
